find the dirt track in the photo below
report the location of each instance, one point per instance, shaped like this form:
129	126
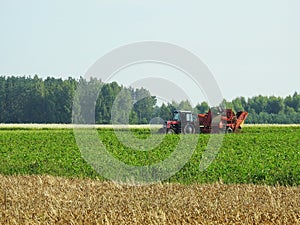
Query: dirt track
50	200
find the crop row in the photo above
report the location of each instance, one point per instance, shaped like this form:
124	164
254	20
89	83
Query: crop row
259	155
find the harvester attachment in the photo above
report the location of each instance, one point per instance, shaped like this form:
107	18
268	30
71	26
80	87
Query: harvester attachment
232	121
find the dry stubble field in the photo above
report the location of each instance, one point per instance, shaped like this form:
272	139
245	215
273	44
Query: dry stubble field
55	200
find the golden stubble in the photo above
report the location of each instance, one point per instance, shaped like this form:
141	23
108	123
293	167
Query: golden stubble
55	200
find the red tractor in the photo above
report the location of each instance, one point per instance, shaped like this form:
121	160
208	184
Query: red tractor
188	123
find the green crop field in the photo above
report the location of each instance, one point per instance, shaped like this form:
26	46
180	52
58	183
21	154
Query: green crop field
258	155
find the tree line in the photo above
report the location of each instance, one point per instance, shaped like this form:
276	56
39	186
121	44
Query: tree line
53	100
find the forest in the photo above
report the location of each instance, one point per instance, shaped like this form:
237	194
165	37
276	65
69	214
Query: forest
26	99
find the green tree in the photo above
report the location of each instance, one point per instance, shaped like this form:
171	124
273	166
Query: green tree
164	112
274	105
295	102
258	103
238	104
144	105
202	108
185	105
35	107
121	109
105	102
2	99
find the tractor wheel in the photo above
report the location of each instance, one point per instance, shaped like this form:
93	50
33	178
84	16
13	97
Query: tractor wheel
229	130
189	129
170	131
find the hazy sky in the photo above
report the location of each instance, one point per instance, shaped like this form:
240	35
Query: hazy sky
251	47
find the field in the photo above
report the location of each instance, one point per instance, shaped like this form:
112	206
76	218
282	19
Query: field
259	155
254	179
53	200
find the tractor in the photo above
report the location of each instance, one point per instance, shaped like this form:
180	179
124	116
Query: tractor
186	122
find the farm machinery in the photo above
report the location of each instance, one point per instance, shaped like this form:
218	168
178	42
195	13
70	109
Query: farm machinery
188	123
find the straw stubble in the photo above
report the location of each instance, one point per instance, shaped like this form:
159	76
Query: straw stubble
56	200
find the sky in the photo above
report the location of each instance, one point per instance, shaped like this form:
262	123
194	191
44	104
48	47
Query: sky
250	47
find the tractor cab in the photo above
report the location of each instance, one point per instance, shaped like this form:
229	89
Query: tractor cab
182	122
179	115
